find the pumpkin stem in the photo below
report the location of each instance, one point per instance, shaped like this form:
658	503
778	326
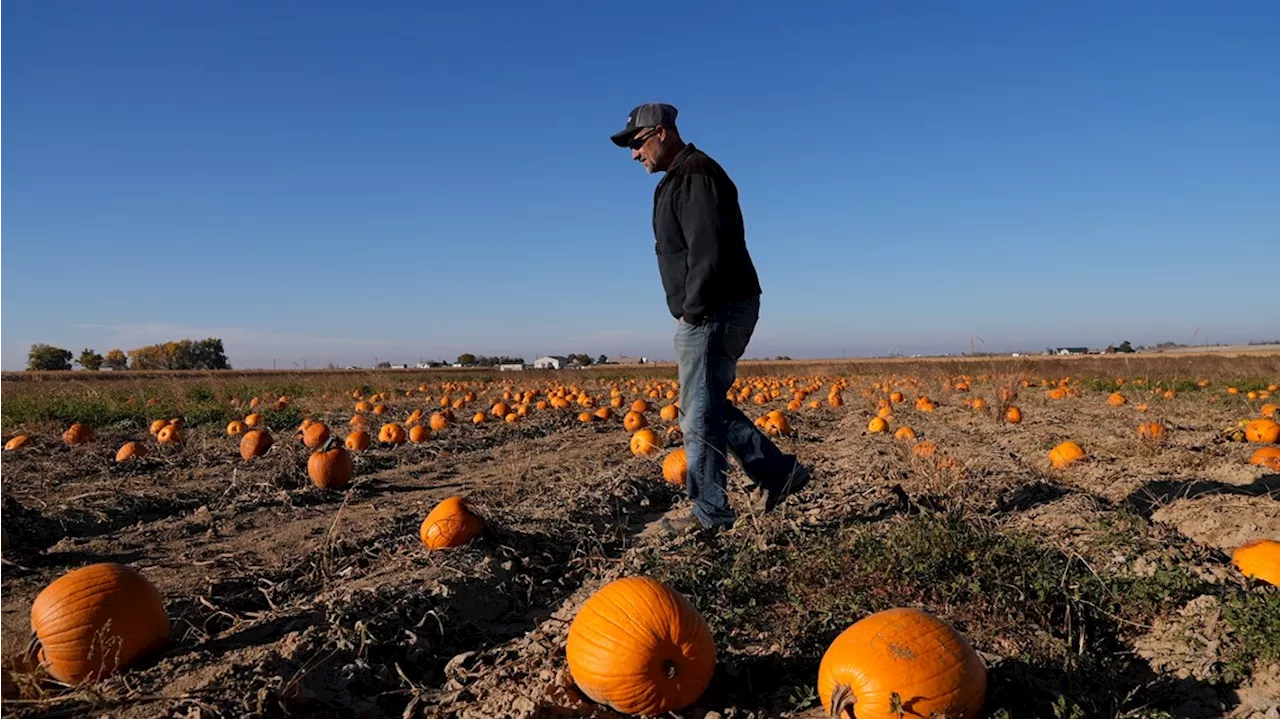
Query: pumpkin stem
842	701
669	667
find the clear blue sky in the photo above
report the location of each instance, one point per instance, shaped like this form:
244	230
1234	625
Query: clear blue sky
339	181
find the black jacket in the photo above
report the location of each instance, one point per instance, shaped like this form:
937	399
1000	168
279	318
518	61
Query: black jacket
699	238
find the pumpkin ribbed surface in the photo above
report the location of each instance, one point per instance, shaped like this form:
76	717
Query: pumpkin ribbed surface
675	467
640	647
330	467
1259	559
904	656
450	524
97	619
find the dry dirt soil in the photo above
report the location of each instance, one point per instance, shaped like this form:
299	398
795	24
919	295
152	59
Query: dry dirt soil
287	600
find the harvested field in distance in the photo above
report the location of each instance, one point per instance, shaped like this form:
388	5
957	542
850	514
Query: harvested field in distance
1102	589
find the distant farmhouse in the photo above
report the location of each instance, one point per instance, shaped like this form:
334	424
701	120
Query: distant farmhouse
551	362
1071	350
514	367
628	359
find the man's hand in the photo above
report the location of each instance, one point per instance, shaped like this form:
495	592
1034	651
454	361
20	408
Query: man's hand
689	320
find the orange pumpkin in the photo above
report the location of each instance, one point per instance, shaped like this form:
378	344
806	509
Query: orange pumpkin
96	620
978	404
17	442
640	647
358	440
877	425
899	658
439	422
419	434
896	397
391	433
1263	431
78	434
1116	399
254	443
315	435
1013	415
235	428
330	466
156	426
1266	457
169	434
905	433
450	524
675	467
130	449
604	413
644	443
1065	454
776	424
1259	559
633	421
640	406
1151	431
586	417
479	418
924	449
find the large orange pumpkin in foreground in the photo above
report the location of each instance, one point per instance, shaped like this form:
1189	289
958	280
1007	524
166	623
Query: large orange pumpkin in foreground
95	620
1259	559
898	659
640	647
450	524
330	466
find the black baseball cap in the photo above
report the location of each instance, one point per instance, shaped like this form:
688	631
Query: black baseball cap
650	114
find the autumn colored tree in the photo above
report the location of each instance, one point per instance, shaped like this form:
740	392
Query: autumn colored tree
116	359
180	355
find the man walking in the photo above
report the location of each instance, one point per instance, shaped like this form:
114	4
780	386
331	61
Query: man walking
713	292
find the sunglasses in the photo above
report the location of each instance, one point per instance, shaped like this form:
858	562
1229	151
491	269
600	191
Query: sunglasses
638	141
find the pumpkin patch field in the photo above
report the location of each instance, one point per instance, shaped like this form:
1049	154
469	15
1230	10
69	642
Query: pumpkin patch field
987	537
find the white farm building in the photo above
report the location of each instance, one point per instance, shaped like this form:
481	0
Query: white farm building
550	362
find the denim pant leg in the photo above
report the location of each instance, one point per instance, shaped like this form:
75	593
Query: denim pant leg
700	352
761	459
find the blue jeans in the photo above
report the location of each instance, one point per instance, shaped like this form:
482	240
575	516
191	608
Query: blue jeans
708	355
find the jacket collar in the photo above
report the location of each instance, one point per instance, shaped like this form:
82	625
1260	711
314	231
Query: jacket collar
681	156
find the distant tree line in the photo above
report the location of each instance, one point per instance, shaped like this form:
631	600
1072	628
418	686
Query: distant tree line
470	360
205	354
